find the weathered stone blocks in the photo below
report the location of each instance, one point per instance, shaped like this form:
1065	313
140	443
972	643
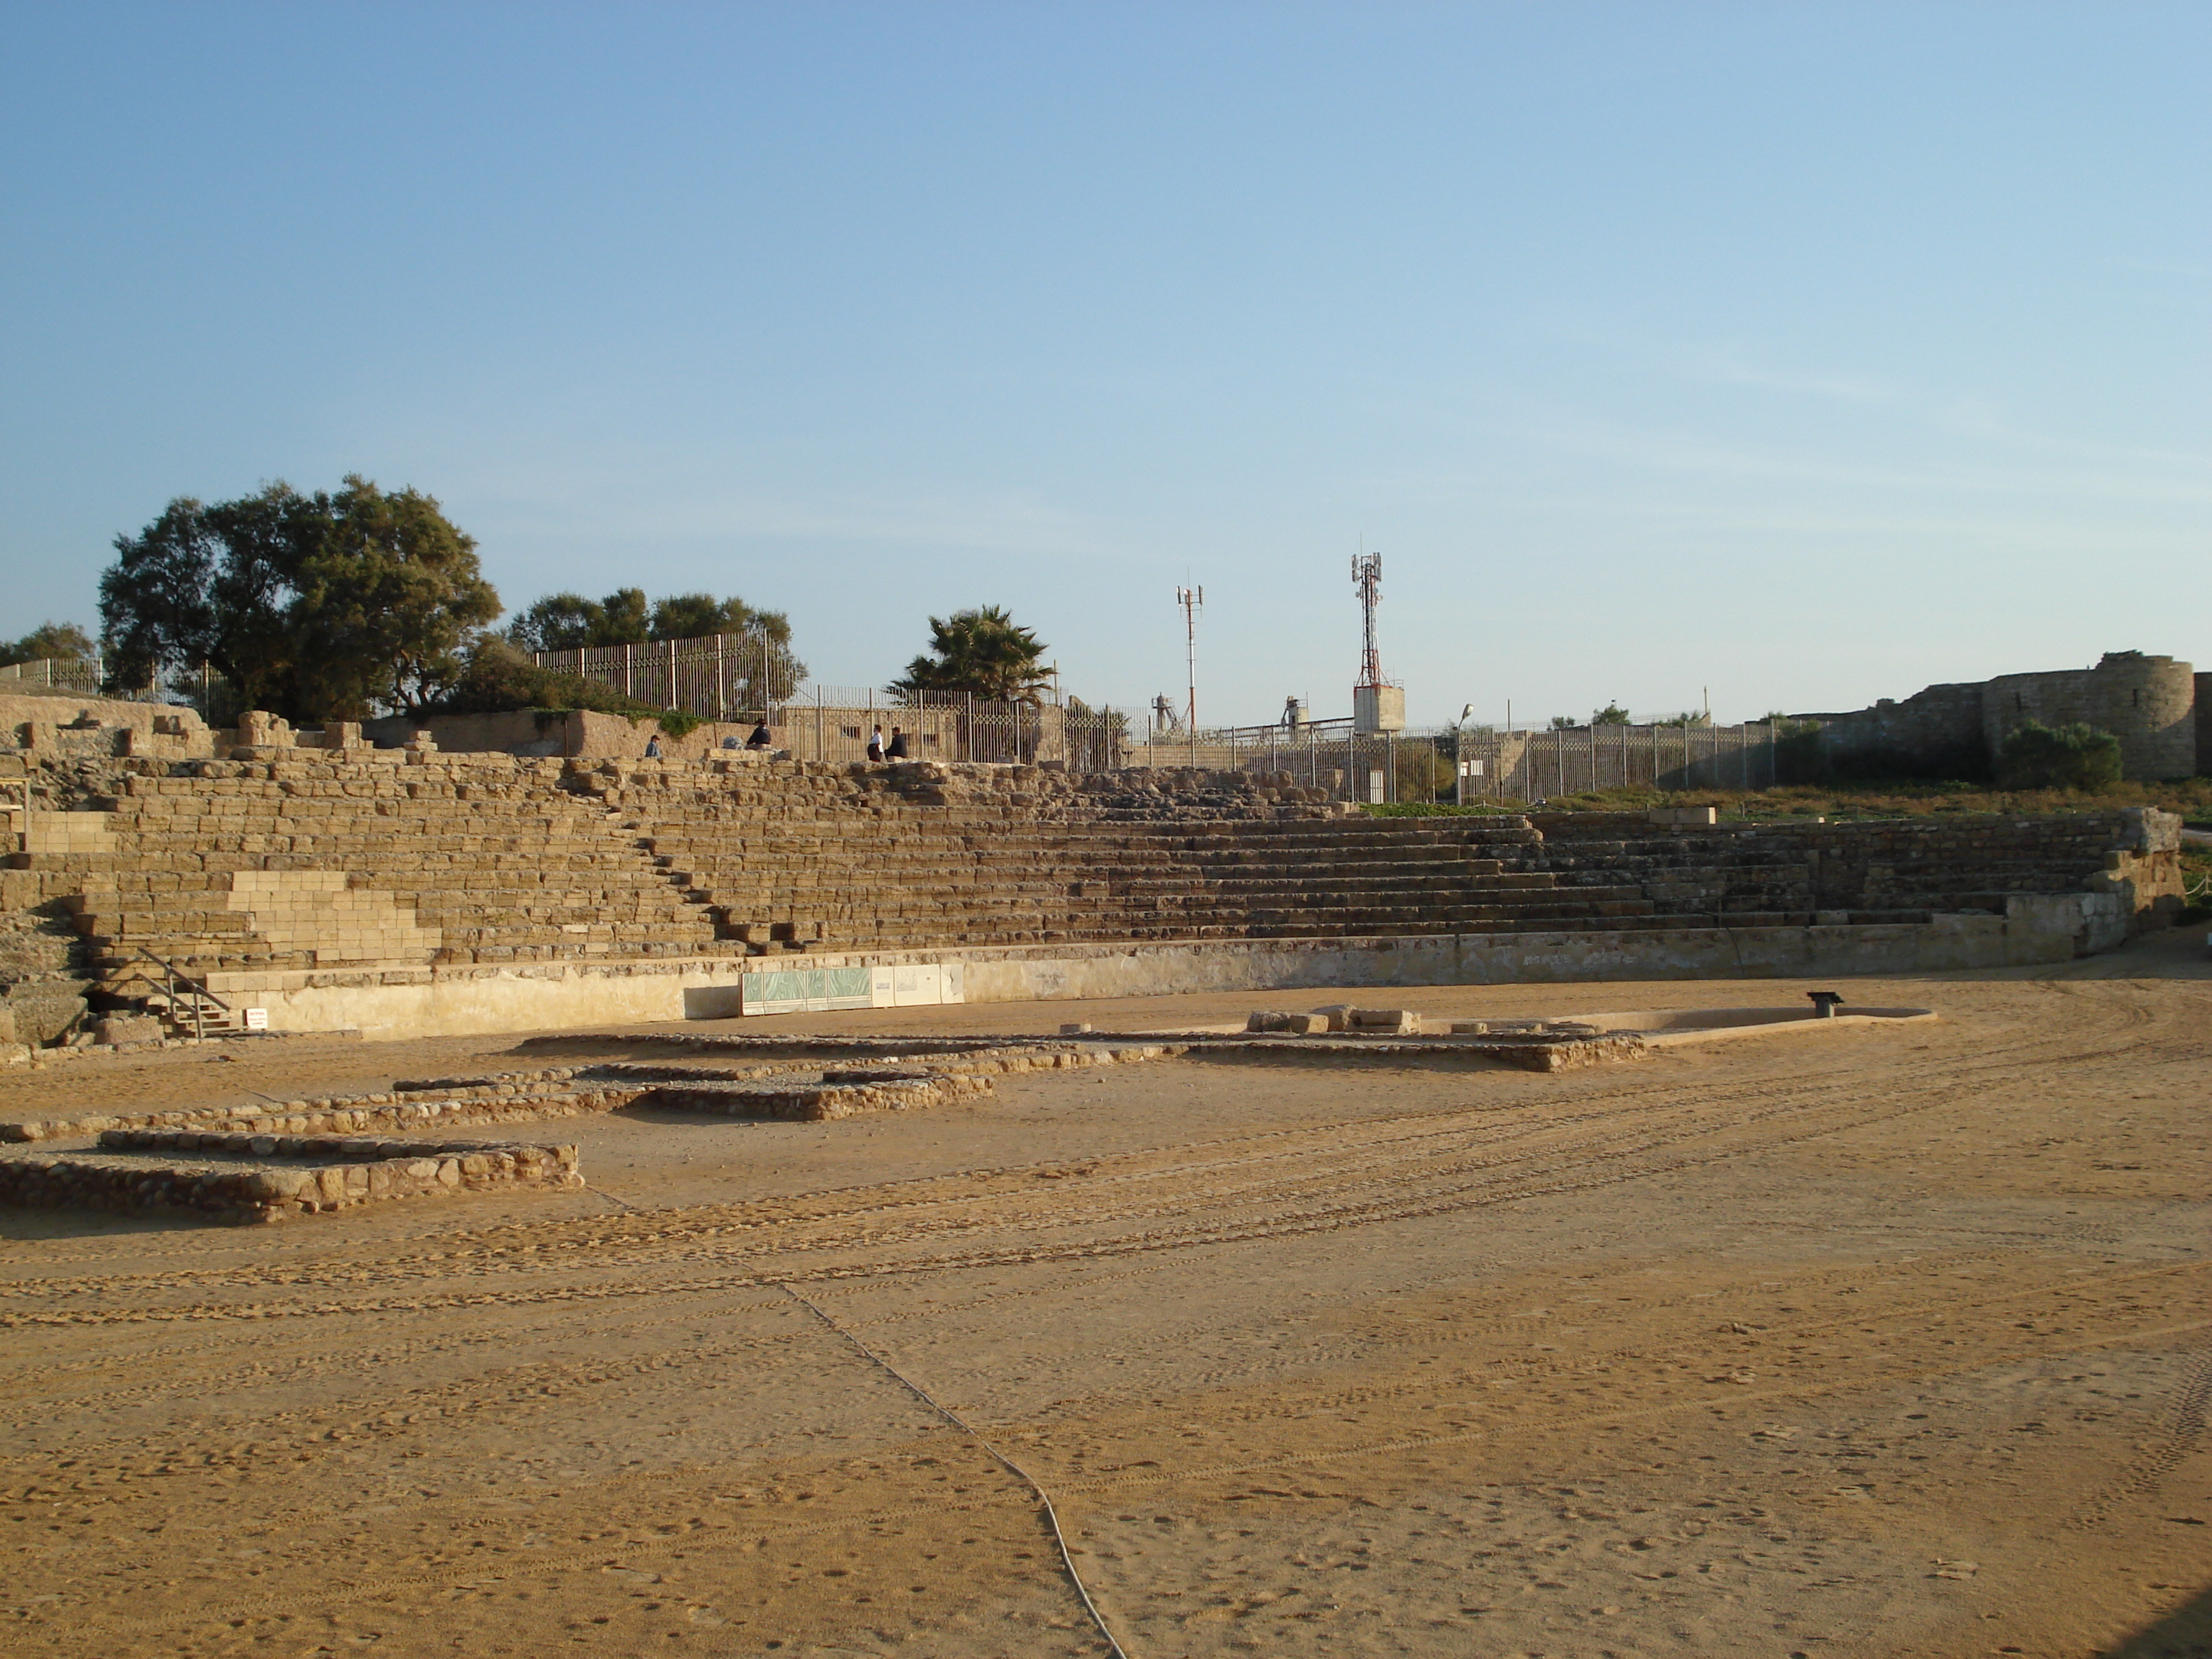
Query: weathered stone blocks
238	1178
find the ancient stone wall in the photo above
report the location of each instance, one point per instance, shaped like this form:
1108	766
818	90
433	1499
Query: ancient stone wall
2203	684
2151	704
531	733
82	728
1937	730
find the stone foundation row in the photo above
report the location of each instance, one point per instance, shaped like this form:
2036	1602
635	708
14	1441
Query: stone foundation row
244	1193
839	1094
567	1091
341	1117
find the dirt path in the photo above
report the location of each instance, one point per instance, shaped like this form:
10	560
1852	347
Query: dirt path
1893	1343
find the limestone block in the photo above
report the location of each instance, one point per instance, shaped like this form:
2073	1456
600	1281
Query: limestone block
1401	1020
128	1028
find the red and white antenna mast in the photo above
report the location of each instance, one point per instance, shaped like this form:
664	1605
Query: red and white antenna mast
1377	705
1367	578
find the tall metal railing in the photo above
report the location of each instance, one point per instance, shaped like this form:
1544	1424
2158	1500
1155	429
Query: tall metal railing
1539	765
51	673
1330	755
730	677
78	676
835	723
1494	766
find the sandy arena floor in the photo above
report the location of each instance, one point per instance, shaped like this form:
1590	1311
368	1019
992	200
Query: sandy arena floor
1883	1343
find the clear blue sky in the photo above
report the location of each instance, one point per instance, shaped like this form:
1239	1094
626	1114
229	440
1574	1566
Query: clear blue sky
1809	353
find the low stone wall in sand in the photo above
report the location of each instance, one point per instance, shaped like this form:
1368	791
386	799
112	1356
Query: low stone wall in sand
342	1116
815	1102
239	1190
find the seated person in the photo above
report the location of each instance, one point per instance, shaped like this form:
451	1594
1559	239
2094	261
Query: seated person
760	738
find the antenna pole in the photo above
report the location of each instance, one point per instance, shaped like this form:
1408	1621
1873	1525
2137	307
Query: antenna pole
1367	577
1193	601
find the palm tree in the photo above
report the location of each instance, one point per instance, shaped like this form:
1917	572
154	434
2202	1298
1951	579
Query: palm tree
981	651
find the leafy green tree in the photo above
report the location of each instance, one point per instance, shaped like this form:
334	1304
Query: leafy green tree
702	615
1612	714
621	618
387	598
1564	722
982	651
2076	757
316	607
49	642
569	621
559	621
209	585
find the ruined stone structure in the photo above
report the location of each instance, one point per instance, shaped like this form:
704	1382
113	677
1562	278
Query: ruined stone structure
2151	704
409	890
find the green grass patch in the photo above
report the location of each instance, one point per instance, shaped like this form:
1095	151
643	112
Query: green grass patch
1417	809
1900	799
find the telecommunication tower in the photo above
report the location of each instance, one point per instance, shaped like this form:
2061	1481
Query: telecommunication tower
1193	601
1377	705
1367	578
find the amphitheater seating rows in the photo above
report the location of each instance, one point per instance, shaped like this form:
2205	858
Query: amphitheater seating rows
225	865
986	873
314	859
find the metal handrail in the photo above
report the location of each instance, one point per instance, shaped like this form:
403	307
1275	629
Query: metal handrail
198	988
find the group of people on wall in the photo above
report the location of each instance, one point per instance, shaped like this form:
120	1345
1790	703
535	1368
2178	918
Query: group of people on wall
878	750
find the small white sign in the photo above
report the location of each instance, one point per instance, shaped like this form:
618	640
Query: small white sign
257	1019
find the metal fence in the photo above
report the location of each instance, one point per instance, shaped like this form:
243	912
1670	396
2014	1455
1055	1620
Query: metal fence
51	673
1361	766
834	723
76	676
1577	760
1494	766
723	677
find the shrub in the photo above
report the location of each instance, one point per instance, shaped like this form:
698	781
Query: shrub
1799	756
2076	757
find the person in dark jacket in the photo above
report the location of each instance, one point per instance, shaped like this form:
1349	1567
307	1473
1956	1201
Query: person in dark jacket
897	750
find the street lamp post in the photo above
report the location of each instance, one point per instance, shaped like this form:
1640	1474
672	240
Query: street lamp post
1459	758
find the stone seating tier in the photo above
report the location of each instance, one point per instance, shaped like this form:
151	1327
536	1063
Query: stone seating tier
1171	879
454	863
299	859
